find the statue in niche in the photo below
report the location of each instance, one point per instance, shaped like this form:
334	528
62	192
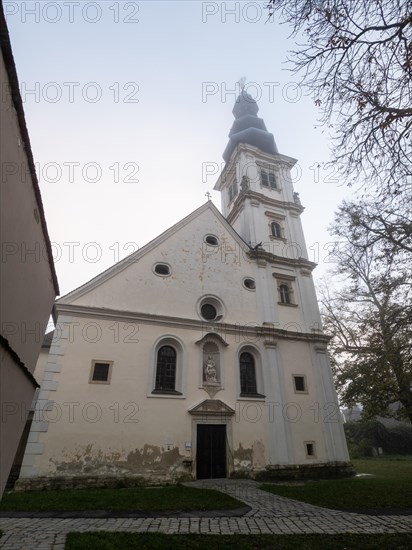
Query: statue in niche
210	370
244	184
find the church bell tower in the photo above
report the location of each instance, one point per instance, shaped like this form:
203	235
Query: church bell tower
258	198
259	201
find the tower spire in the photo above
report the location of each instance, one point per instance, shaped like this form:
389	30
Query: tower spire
248	127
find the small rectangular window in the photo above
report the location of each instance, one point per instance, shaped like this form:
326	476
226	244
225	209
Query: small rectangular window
310	449
101	372
300	383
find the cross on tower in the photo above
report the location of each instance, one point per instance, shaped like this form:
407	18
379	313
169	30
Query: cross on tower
208	195
241	82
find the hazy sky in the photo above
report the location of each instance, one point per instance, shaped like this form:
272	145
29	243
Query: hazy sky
128	106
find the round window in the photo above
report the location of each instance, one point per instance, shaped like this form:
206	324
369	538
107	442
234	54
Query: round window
208	312
212	240
249	284
210	308
162	269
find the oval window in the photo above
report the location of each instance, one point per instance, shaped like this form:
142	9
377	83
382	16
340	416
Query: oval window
212	240
249	284
208	312
162	269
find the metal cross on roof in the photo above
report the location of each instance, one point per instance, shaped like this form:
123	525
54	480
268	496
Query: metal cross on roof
241	82
208	195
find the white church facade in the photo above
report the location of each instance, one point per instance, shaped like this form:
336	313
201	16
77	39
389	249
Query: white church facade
202	354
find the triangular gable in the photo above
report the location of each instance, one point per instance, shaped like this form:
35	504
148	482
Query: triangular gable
136	256
212	407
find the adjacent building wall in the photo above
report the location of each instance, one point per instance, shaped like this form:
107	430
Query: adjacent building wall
28	279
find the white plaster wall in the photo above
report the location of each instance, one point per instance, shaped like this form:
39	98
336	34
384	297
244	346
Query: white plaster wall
306	414
106	423
26	287
100	428
16	392
197	270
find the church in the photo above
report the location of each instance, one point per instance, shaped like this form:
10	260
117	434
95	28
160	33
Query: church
202	354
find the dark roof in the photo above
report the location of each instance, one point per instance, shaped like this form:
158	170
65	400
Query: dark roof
18	105
248	128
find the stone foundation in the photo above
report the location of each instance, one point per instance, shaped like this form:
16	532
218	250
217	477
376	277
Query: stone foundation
94	482
329	470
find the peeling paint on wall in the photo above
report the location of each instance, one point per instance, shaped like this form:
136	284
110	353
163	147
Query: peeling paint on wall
90	459
259	460
243	458
250	458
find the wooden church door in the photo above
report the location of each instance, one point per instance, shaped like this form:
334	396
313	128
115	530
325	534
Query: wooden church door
211	451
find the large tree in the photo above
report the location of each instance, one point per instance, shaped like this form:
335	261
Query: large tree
369	316
356	60
388	226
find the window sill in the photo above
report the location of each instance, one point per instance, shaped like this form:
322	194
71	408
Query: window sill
287	305
251	396
273	238
166	392
278	189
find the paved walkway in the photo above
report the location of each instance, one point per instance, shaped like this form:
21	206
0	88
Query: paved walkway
269	514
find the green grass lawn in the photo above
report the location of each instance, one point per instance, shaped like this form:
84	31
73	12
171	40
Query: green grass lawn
174	498
159	541
391	487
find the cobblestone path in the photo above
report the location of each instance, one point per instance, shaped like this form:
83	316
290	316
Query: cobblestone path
269	514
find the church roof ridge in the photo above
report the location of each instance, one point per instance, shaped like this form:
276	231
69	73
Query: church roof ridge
134	256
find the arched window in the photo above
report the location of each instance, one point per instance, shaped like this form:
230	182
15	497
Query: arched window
247	374
166	369
276	230
284	292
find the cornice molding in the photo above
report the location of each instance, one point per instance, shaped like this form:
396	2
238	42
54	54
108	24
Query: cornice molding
267	331
261	256
293	208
